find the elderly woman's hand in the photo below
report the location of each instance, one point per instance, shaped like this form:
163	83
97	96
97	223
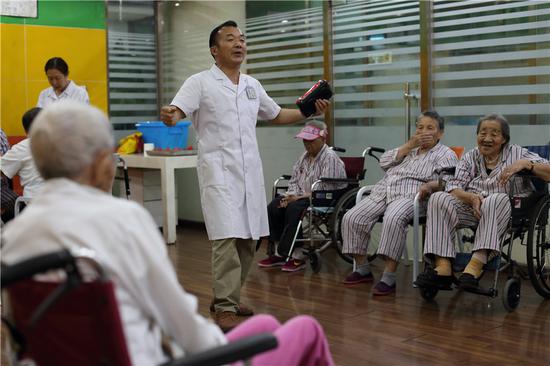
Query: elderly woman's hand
420	139
425	190
475	201
512	169
286	200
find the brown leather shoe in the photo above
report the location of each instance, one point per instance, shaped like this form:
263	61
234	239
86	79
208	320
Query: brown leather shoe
227	320
243	310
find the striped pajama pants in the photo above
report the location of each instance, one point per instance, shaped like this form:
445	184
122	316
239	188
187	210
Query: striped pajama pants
445	213
358	222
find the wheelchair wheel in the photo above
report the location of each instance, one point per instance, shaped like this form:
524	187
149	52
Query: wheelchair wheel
428	293
315	261
346	202
538	248
511	294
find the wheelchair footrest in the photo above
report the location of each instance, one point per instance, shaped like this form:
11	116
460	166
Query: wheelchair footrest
490	292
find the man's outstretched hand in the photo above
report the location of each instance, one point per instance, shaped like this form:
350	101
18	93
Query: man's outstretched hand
170	115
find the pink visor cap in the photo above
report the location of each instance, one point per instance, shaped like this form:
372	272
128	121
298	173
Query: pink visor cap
311	133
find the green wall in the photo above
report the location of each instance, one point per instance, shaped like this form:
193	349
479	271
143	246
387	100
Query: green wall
73	14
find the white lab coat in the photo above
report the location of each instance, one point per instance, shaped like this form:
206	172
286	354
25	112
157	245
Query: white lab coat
72	91
229	165
128	245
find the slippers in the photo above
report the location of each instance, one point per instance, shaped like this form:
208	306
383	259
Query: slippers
431	279
467	281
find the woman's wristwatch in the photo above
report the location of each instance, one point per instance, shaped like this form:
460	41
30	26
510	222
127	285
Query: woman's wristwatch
531	167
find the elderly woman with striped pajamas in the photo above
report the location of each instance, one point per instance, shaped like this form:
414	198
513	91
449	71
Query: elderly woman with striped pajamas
408	168
476	196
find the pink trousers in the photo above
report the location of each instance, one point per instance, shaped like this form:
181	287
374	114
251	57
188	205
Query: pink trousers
302	341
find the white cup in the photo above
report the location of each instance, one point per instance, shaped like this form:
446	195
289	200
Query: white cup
148	147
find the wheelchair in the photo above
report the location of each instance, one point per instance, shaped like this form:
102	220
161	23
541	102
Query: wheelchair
76	321
529	223
318	227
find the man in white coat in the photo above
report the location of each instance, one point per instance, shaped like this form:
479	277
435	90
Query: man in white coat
224	106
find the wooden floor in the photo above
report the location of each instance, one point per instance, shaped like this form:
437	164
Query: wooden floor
456	329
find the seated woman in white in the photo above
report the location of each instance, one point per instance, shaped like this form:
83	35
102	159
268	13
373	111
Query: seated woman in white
18	160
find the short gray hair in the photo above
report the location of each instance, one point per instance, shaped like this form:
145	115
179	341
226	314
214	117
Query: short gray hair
316	123
66	138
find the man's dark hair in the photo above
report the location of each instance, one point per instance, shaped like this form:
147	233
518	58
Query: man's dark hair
29	117
57	63
435	116
504	126
214	33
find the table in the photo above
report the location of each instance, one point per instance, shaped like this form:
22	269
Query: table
167	166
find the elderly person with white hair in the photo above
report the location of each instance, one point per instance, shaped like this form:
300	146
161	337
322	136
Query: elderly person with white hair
72	145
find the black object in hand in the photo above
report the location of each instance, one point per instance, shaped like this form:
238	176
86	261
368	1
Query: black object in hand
306	103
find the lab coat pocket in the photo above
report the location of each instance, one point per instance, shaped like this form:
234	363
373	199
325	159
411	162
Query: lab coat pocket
210	171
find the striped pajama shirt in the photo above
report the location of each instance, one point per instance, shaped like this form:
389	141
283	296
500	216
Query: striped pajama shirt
392	197
306	171
446	212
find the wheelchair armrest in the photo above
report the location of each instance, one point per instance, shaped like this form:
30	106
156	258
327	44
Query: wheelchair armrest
526	174
241	349
538	182
337	180
446	170
276	186
29	267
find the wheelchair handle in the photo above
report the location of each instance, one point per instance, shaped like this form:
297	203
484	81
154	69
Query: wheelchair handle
241	349
371	150
29	267
339	149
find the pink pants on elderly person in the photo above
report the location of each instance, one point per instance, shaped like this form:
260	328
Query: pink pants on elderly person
302	341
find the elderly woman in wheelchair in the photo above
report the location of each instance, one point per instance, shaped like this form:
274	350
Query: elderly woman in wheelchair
285	210
477	196
409	168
